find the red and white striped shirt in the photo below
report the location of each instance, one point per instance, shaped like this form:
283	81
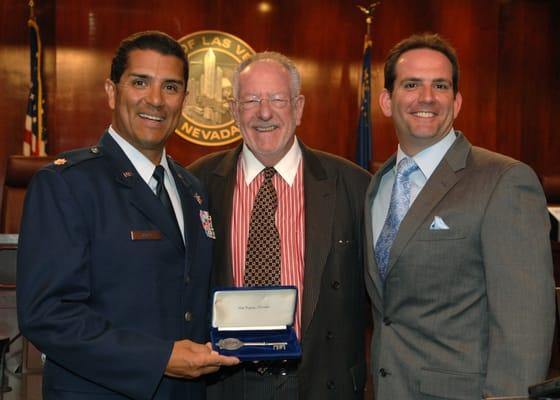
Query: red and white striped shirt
290	217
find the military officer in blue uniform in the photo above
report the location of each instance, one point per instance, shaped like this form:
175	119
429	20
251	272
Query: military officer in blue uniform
114	258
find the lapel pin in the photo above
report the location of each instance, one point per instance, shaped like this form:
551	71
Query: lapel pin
60	161
127	174
198	198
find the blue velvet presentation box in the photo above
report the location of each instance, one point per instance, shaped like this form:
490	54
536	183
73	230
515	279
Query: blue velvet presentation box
255	315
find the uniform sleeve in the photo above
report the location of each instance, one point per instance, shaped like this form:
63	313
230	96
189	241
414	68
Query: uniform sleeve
54	290
520	283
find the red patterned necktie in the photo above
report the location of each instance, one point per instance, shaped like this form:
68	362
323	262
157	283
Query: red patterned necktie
262	262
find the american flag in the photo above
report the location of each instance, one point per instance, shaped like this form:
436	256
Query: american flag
363	144
35	134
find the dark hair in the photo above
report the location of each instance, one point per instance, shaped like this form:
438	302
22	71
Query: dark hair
148	40
420	41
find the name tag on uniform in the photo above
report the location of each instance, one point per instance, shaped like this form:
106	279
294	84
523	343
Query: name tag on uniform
145	235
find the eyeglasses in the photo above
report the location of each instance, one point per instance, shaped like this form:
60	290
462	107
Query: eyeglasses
254	102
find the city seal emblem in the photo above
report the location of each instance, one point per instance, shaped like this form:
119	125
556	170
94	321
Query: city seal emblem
213	56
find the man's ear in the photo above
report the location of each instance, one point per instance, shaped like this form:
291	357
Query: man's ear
457	104
111	90
300	102
385	103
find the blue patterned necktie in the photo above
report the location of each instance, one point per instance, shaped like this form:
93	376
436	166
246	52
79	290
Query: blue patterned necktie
398	207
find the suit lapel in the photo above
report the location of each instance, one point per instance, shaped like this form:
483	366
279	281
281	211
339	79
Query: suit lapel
444	177
371	263
320	198
221	186
141	196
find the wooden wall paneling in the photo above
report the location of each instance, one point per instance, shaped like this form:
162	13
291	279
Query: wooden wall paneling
470	27
509	109
536	95
535	92
501	46
15	74
525	85
307	39
552	82
476	45
394	20
14	80
327	46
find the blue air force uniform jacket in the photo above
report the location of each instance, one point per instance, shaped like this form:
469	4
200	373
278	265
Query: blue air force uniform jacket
105	282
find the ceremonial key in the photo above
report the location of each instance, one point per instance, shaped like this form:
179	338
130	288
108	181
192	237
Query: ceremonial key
236	344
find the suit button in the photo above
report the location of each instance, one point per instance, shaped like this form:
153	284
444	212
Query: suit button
331	385
383	372
329	335
188	316
335	285
387	321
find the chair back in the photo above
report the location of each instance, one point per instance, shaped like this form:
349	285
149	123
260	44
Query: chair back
19	171
8	268
8	255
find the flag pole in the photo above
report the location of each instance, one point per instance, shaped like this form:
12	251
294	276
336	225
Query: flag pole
35	135
363	143
368	11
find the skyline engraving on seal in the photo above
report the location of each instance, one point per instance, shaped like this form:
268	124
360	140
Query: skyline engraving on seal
213	56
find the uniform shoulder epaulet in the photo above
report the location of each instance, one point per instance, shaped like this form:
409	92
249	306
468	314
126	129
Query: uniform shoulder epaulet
75	157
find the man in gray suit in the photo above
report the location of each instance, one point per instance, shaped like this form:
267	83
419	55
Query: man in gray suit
319	218
461	286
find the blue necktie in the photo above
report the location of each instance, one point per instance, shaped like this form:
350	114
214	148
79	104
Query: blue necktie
161	192
398	207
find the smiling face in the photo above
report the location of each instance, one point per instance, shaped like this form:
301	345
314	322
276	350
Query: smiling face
267	129
422	105
147	101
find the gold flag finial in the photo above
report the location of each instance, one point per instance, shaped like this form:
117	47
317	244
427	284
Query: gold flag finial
31	9
368	11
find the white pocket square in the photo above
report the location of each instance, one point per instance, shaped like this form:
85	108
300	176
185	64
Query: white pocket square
438	224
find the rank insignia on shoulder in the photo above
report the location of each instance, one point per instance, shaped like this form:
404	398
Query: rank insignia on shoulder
60	161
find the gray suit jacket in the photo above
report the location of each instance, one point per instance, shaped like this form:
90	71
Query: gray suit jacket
468	311
334	298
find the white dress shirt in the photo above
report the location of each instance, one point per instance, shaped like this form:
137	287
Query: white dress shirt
287	167
146	168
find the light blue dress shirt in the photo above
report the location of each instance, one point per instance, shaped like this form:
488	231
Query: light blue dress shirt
427	161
